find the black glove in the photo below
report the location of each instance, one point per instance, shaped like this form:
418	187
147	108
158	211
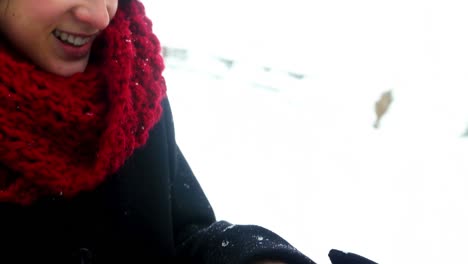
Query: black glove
339	257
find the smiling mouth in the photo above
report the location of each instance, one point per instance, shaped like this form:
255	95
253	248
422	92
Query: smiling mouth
71	39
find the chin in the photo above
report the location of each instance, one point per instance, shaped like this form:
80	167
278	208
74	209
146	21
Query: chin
68	73
66	69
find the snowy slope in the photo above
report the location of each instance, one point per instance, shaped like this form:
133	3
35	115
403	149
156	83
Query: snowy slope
300	156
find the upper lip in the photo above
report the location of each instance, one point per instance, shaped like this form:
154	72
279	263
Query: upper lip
83	35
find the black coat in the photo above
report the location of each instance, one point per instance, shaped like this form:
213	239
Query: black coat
152	211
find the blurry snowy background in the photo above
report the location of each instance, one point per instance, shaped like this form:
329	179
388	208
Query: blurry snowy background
273	104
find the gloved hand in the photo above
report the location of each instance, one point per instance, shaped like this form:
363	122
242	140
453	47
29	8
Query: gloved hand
339	257
269	262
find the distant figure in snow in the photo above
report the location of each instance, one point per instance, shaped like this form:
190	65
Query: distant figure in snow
466	133
381	106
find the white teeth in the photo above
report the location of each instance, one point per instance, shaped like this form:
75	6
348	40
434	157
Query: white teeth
79	41
71	39
64	36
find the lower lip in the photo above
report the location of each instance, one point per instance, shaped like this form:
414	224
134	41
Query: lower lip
73	52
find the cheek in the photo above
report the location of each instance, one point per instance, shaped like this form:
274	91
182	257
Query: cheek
3	6
26	29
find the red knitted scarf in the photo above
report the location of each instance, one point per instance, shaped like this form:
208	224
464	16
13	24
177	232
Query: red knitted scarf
63	135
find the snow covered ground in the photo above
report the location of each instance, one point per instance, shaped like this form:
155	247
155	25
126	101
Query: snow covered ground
300	156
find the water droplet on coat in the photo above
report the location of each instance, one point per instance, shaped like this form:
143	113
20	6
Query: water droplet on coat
225	243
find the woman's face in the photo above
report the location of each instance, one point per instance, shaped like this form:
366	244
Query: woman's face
55	34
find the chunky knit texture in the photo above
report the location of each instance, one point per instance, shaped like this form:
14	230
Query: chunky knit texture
63	135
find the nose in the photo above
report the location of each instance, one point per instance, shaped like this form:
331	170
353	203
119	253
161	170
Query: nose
96	14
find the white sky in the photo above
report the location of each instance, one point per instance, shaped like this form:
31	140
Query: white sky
303	159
